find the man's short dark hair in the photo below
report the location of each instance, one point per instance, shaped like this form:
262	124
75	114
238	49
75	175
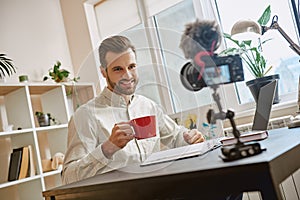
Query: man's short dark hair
116	44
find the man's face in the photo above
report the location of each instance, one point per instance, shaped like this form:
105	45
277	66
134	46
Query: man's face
121	74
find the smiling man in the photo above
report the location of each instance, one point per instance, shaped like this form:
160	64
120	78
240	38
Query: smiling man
100	137
122	76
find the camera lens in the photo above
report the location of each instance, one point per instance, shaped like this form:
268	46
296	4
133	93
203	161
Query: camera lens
189	77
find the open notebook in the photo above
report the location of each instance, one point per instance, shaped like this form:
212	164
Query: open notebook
182	152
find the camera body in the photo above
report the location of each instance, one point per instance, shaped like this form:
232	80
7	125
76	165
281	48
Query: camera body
217	70
223	70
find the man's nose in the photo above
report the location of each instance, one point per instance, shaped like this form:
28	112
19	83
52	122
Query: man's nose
127	74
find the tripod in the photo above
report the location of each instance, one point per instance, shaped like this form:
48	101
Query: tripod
238	150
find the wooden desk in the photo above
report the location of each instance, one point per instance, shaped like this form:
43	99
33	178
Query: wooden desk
205	177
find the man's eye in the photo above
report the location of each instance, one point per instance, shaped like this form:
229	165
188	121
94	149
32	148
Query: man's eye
132	66
117	69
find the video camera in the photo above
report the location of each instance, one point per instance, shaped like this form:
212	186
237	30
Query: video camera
217	70
198	43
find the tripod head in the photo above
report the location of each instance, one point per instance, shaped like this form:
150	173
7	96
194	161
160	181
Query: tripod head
238	150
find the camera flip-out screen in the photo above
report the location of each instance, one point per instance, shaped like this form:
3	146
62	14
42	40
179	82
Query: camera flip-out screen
217	70
217	75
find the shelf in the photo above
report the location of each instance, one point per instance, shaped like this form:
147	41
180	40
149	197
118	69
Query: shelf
12	183
37	89
18	104
8	89
52	127
27	130
51	173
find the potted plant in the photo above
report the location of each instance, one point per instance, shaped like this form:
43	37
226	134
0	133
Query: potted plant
6	66
59	75
254	59
44	119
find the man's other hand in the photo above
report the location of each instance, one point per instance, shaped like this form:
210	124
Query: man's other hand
193	136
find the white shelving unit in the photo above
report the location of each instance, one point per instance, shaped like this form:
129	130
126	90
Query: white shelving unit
18	104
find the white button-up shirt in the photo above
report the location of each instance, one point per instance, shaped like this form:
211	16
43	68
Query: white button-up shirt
92	123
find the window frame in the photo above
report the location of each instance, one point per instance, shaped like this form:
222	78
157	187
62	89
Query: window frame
227	91
286	104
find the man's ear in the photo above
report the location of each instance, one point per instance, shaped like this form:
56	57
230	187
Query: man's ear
103	71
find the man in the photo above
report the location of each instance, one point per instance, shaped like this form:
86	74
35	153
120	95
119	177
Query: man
100	138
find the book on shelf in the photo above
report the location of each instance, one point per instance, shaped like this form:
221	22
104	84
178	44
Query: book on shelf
31	170
21	163
24	163
245	137
15	164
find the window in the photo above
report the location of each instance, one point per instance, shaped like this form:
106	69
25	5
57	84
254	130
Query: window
170	25
157	32
147	80
285	62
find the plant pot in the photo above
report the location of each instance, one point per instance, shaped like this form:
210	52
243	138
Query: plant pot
44	120
255	85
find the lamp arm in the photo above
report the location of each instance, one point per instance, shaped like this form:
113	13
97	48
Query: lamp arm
276	26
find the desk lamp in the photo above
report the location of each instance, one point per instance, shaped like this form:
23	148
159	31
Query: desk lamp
244	26
248	26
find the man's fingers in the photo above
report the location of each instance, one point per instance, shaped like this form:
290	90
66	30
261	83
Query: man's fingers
122	125
193	137
122	133
200	139
123	129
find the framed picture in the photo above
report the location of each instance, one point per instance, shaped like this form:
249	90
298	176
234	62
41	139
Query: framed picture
196	118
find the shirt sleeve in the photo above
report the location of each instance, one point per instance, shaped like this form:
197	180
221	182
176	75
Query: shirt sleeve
171	133
84	156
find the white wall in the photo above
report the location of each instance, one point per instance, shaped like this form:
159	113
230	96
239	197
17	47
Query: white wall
83	55
32	33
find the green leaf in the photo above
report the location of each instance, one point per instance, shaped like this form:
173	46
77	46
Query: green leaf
60	76
267	71
6	66
56	69
76	79
226	35
247	42
264	19
66	73
58	63
229	51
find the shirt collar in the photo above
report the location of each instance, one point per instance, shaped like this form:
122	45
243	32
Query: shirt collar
115	99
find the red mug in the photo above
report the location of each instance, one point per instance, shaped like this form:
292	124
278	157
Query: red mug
144	127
